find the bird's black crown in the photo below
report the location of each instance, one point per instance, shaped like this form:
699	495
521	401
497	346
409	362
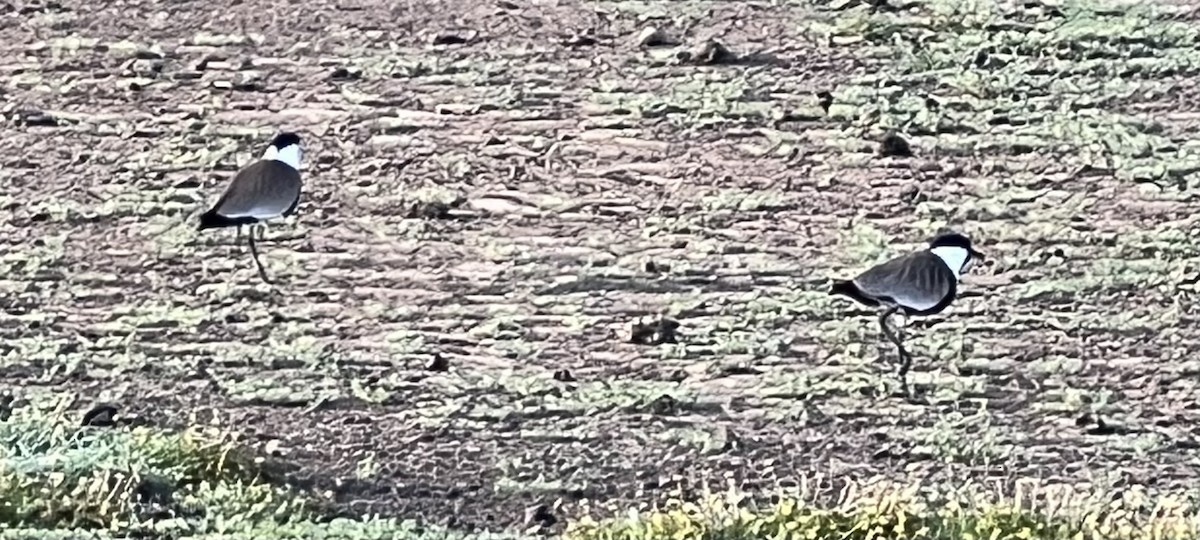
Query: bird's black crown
951	240
285	139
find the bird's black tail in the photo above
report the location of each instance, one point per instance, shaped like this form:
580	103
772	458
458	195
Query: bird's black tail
848	288
212	220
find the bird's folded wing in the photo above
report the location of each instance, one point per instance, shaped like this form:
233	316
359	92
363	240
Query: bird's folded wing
263	189
919	280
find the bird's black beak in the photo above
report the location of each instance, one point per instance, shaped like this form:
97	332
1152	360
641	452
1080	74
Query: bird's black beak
977	255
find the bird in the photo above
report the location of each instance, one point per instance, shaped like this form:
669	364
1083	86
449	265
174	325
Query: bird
266	189
920	283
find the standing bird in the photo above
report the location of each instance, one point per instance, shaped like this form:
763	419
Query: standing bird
920	283
266	189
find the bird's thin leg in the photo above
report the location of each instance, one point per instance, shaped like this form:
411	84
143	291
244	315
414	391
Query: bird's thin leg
254	252
905	359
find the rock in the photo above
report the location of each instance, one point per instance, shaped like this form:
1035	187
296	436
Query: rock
654	37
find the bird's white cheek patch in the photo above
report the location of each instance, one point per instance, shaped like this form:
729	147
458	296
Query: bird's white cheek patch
955	258
291	154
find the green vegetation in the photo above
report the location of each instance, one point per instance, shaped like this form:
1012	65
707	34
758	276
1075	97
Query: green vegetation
58	480
62	481
896	512
980	78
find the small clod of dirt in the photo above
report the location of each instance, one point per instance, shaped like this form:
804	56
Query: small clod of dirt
825	100
49	7
540	515
1098	426
739	369
1102	428
344	74
653	331
660	110
664	405
103	415
710	52
563	375
982	57
580	40
655	37
893	145
35	118
884	6
654	267
887	453
438	209
6	406
437	364
209	62
156	495
454	38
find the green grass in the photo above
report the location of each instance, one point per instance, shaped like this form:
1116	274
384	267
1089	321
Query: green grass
979	77
58	480
884	511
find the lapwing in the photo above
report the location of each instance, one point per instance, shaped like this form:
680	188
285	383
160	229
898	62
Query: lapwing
920	283
268	188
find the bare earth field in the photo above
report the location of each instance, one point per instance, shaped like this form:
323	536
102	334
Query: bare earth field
497	191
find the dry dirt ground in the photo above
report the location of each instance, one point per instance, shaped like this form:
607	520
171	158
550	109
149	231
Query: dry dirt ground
496	191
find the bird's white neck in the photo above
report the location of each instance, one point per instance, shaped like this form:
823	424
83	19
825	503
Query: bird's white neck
289	154
955	257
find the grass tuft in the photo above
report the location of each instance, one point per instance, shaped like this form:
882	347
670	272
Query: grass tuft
55	474
59	480
889	511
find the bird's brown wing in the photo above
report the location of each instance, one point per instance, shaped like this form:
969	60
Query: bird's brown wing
263	188
919	281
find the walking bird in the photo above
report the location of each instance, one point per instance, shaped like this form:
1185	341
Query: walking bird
921	283
266	189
